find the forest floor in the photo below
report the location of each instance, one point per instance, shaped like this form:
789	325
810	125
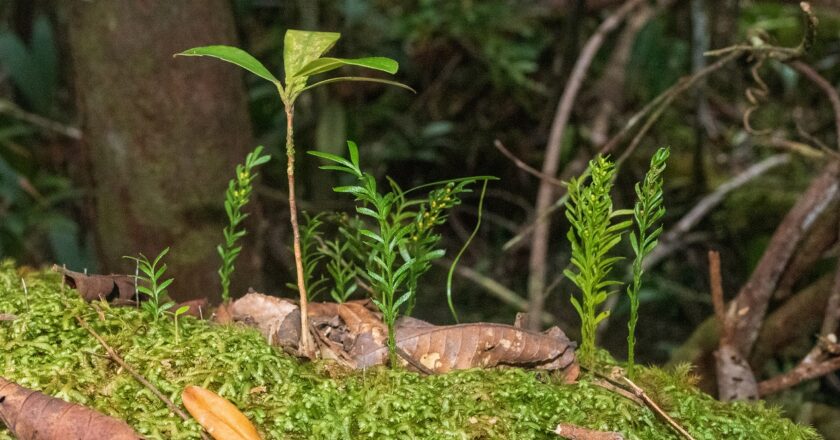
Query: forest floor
45	349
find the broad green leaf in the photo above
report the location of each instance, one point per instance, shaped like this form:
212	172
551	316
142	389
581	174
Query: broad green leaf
322	65
233	55
301	48
358	79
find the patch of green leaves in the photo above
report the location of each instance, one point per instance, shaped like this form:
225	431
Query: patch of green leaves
151	283
237	195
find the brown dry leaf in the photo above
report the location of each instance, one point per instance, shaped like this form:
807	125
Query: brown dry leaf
276	318
217	415
31	415
574	432
7	317
480	345
118	289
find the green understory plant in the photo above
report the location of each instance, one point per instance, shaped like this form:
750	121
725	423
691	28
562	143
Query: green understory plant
181	310
340	268
647	212
151	283
237	195
596	229
310	239
302	58
400	246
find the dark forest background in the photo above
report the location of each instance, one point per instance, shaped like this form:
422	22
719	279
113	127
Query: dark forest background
109	146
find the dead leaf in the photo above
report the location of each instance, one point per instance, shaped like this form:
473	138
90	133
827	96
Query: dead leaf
573	432
31	415
220	418
479	345
117	289
276	318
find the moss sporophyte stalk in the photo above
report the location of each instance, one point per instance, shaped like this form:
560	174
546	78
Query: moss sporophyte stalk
45	349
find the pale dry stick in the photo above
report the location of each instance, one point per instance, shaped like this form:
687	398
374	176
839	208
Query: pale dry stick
574	432
545	193
716	286
669	241
9	108
607	385
524	166
137	376
640	393
814	365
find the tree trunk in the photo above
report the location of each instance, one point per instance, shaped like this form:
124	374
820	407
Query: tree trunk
162	134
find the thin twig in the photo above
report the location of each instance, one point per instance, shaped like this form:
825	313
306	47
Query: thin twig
524	166
670	239
716	286
9	108
413	362
640	393
545	194
137	376
826	87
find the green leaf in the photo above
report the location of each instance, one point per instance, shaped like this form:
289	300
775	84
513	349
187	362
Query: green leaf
233	55
181	310
322	65
299	49
358	79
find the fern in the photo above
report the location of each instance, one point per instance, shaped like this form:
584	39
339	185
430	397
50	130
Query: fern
593	234
236	197
646	213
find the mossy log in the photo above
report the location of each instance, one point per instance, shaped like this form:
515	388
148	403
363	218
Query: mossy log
45	349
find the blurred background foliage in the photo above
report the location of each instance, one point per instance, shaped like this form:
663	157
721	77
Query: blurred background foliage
484	70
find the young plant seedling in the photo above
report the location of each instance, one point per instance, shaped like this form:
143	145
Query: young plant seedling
398	249
151	284
592	235
302	58
646	213
236	197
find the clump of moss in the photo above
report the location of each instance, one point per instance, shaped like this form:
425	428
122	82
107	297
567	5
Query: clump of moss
45	349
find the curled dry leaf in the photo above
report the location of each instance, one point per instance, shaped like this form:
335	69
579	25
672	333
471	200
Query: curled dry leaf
217	415
117	289
353	334
277	319
32	415
483	345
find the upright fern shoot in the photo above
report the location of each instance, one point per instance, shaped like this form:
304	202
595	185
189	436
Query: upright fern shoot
593	234
646	213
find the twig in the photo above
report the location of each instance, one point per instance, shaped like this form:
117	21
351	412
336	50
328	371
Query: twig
137	376
524	166
716	285
413	362
498	290
545	194
667	244
574	432
815	364
826	87
9	108
607	385
640	393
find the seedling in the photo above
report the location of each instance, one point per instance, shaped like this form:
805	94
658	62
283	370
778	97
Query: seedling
236	197
646	213
151	283
593	234
401	245
302	58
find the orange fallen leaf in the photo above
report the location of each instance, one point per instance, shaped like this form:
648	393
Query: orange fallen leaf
217	415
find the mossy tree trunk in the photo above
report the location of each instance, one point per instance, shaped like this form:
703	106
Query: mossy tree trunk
162	134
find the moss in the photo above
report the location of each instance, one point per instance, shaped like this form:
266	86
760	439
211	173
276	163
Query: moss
45	349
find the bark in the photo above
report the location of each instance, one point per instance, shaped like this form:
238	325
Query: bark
162	135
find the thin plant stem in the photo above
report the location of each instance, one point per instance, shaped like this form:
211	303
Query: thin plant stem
305	340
